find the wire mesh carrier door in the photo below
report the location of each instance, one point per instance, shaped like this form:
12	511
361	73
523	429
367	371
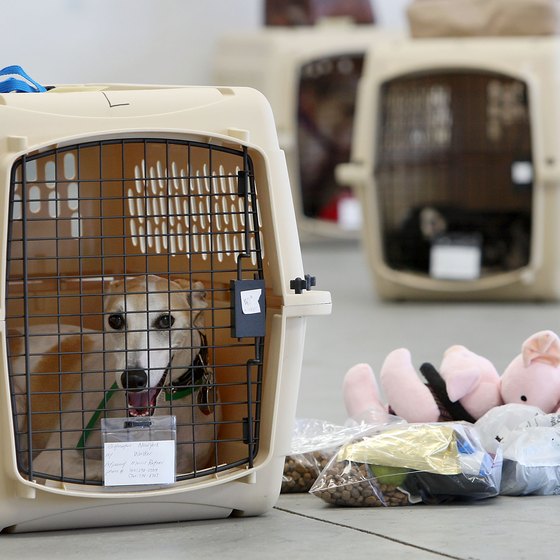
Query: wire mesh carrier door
123	256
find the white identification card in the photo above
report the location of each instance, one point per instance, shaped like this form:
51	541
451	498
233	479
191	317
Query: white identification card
455	262
130	463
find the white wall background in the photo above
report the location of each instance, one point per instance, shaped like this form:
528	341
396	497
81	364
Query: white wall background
134	41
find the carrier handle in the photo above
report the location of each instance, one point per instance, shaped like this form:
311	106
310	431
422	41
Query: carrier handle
18	81
353	174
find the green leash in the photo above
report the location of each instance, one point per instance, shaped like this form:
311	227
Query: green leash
93	420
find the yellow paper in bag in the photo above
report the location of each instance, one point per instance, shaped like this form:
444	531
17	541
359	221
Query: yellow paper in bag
422	447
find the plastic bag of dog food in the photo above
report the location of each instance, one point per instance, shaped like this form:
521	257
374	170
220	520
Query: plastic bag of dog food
313	444
408	464
528	440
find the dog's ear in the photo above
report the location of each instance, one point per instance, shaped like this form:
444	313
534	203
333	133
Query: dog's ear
196	296
116	286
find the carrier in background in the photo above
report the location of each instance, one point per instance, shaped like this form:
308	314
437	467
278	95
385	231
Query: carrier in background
455	157
310	77
149	234
309	12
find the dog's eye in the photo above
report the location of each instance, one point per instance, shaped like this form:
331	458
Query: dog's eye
164	321
116	322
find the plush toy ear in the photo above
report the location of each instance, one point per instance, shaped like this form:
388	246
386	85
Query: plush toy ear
461	370
461	383
543	347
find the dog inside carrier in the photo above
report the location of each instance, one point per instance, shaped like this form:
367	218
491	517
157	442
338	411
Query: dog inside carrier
454	173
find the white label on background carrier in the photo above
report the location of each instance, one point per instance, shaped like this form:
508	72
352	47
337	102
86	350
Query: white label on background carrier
250	301
349	213
522	172
130	463
455	261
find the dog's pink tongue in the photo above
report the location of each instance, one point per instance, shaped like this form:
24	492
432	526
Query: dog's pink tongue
141	400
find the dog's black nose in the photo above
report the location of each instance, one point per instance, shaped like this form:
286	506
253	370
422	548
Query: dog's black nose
134	379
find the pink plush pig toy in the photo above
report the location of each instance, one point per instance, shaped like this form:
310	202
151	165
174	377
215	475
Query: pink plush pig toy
466	387
533	377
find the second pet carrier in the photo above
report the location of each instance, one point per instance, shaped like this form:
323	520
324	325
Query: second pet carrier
310	77
153	306
456	158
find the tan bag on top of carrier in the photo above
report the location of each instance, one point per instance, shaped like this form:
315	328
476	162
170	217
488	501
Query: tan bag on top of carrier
463	18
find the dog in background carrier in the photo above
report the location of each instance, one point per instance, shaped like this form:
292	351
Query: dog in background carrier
504	236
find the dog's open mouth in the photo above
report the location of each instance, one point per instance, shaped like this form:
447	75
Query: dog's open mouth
143	403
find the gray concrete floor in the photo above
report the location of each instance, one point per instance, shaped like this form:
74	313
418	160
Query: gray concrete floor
360	329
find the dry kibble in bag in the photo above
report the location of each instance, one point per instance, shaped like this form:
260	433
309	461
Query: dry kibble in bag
407	464
345	483
314	442
301	470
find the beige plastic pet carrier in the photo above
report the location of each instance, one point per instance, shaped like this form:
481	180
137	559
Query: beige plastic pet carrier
154	306
456	159
310	77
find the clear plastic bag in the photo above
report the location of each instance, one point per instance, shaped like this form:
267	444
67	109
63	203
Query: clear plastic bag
408	464
314	442
529	440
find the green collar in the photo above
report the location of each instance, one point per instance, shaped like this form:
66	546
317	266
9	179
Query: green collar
193	378
174	394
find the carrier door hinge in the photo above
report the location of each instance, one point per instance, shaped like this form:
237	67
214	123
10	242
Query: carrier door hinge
249	439
242	183
300	284
247	431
